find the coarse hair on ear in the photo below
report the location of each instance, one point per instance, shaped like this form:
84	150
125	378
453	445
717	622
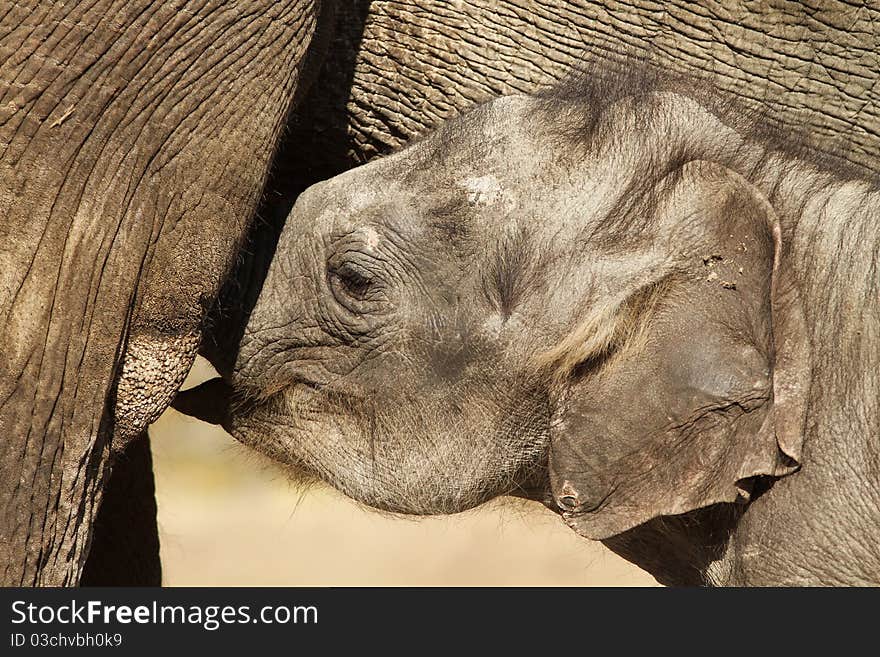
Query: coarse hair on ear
679	393
603	333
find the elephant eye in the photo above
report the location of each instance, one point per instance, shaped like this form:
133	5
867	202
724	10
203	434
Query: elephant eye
351	281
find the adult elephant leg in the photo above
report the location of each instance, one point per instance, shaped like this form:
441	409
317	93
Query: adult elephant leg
135	138
124	550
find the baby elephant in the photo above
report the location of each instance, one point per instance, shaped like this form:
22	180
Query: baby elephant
628	301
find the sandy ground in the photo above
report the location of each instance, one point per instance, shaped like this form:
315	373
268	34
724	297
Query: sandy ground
228	517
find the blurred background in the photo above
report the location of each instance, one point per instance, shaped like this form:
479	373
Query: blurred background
228	517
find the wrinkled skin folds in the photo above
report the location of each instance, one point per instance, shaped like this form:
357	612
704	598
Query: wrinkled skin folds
131	163
135	140
604	299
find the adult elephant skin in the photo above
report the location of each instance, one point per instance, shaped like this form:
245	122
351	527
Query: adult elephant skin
634	302
399	69
104	118
135	138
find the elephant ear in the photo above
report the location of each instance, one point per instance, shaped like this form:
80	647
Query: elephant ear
701	381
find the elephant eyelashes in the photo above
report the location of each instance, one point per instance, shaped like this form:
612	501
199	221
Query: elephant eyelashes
351	282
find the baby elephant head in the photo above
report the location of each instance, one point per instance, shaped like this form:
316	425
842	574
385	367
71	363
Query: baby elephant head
598	320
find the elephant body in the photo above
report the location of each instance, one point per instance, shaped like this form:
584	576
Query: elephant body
132	160
136	144
633	301
396	71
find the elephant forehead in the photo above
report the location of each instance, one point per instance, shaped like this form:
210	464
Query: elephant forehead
481	189
487	190
348	201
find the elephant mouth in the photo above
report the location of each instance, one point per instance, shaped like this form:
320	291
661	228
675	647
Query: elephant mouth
211	402
217	401
261	422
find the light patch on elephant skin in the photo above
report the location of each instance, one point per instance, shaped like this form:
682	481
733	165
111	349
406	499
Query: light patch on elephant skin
361	200
487	191
495	323
371	238
153	369
483	190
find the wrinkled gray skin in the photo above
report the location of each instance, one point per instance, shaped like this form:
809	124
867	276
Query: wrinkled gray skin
132	128
624	301
131	162
398	70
